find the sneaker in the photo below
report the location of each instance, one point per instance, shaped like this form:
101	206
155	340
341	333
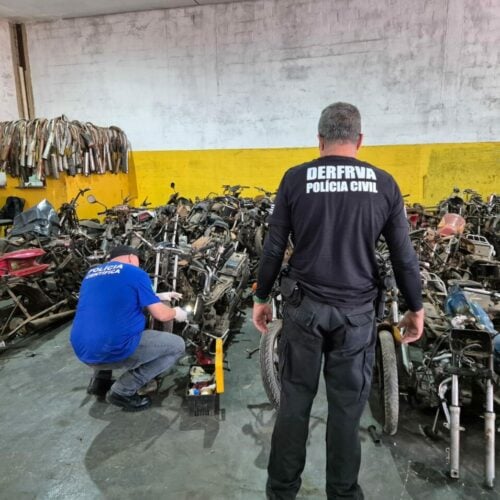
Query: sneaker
129	403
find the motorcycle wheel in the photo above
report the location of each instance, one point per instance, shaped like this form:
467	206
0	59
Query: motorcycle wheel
387	369
269	369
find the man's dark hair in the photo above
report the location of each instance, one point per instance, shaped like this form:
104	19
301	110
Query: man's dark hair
340	122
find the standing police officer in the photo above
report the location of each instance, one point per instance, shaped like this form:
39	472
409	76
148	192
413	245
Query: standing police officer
335	208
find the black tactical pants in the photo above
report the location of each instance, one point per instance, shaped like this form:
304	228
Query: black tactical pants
346	340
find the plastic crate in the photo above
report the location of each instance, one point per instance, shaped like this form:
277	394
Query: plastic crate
199	406
202	405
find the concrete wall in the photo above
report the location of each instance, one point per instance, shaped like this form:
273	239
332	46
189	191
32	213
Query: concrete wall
256	74
8	99
231	94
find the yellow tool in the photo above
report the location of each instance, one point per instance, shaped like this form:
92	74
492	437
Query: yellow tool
219	369
397	333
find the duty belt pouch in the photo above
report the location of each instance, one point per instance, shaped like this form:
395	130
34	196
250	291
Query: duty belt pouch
291	291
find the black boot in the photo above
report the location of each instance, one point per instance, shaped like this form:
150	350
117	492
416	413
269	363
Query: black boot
100	383
129	403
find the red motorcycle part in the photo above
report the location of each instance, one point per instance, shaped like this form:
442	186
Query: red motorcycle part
22	263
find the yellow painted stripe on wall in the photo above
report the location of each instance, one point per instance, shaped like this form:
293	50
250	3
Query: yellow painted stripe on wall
110	189
426	172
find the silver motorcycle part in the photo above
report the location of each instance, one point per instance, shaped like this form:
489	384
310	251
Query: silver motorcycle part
454	429
489	432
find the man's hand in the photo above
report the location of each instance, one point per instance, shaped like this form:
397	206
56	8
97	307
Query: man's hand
262	315
169	296
180	315
413	324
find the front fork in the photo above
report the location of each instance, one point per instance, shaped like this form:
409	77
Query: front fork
454	429
453	417
489	432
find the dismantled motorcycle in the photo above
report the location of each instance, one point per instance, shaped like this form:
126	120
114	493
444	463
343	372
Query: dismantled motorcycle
39	280
451	366
209	273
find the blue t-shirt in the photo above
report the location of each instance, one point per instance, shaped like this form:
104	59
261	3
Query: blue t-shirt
109	320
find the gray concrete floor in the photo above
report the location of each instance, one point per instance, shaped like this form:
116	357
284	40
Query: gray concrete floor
57	442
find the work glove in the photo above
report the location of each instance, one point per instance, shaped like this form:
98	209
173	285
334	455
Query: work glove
169	296
180	315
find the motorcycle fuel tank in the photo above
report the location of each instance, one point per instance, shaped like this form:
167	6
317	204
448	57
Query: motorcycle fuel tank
235	264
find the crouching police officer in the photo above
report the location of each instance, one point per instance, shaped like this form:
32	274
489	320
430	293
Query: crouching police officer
108	330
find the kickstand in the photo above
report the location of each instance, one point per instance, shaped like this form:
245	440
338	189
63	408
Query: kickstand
374	434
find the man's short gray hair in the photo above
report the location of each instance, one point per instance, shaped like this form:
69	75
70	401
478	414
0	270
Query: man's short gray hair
340	122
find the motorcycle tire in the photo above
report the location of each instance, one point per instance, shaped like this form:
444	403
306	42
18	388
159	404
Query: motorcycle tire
387	367
269	369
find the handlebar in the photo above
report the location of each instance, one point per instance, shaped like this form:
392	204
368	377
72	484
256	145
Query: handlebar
493	295
81	192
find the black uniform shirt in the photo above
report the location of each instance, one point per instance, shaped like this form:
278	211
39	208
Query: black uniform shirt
336	208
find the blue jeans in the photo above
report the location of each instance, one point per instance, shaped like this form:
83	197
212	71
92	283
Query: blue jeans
155	354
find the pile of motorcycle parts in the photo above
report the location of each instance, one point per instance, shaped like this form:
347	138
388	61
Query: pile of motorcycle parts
456	363
205	250
460	237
